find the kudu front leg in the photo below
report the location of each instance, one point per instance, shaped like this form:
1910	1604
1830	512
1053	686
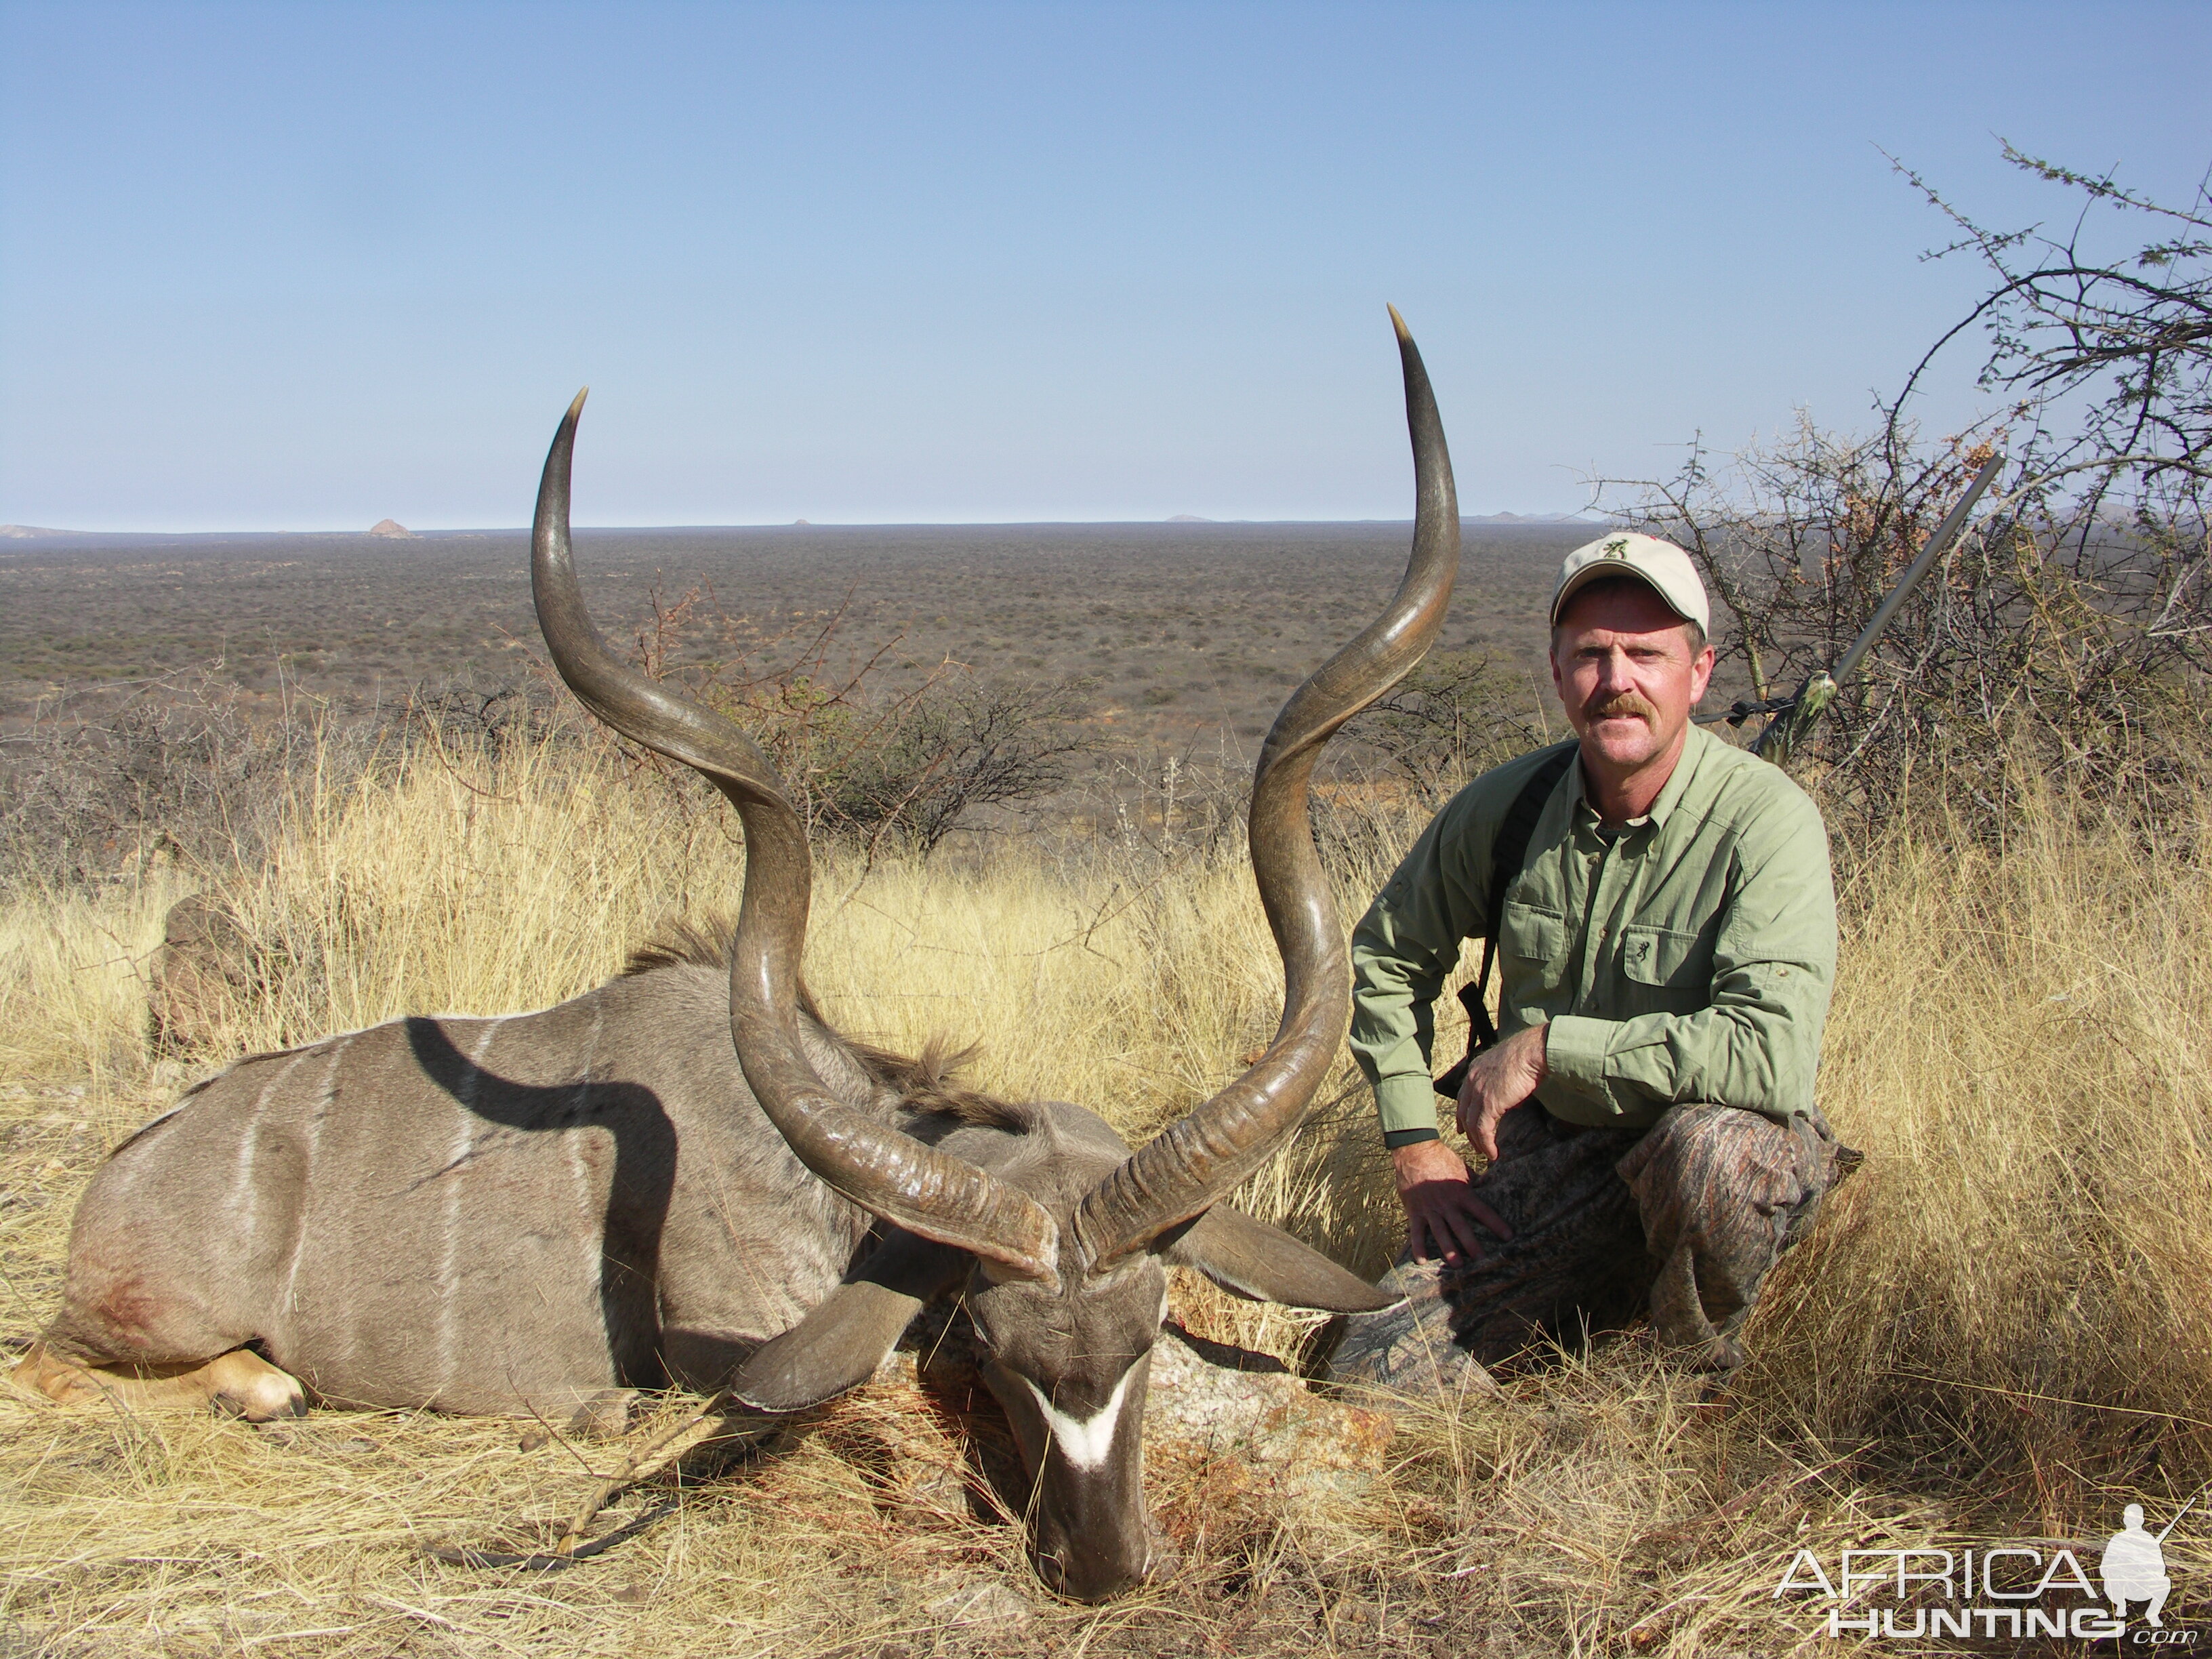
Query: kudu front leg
239	1383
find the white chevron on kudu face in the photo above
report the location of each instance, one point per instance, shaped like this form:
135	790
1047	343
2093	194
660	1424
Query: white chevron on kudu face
1085	1442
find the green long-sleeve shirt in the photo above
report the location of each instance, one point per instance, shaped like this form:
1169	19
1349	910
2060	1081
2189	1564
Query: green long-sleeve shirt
1688	958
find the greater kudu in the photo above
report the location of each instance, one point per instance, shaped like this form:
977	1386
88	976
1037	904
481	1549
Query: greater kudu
521	1214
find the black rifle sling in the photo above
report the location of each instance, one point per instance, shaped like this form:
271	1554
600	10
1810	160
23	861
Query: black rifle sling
1507	854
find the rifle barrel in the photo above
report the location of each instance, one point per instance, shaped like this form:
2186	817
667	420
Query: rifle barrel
2176	1522
1945	533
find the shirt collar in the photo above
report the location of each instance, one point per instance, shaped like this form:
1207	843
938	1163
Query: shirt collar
1694	745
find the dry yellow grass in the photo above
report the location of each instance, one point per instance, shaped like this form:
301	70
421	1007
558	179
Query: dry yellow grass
2002	1326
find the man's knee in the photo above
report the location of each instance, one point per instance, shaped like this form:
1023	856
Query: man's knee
1704	1167
1723	1193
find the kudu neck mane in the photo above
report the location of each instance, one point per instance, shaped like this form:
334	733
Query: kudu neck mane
929	1082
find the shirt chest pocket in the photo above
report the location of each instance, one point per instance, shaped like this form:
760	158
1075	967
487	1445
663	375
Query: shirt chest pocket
1532	946
1664	959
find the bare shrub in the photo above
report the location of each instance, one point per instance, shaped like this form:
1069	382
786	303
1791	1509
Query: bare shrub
953	753
1457	715
2068	628
2028	639
873	748
183	768
2108	348
481	719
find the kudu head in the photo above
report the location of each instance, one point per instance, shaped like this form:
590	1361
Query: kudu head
1059	1232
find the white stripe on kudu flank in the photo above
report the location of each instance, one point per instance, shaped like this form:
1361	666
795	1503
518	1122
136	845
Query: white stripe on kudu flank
464	1136
338	1048
1084	1444
288	1302
591	1234
243	1197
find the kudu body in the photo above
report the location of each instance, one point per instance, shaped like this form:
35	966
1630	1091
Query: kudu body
684	1176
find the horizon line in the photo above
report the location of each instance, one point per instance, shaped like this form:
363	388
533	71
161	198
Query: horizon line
10	533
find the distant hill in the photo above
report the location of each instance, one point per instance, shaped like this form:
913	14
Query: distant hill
22	532
392	528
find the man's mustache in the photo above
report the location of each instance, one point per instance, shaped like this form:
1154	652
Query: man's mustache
1621	703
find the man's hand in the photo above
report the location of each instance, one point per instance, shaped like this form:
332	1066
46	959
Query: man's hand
1500	1080
1442	1212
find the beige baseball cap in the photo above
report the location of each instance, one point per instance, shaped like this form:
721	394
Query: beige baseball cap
1664	566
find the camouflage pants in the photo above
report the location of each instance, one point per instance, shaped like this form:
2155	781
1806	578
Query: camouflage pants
1681	1221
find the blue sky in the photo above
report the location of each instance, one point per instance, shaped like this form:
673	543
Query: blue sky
305	266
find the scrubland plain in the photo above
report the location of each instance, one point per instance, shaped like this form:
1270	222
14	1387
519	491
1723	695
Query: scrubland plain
2000	1331
1182	626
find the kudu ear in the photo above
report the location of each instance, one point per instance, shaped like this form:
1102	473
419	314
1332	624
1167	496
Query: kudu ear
839	1345
1250	1259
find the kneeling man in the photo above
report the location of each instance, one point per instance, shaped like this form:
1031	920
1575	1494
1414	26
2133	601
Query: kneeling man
1667	946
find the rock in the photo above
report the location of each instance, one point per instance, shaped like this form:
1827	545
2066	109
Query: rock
1407	1350
937	1487
1295	1443
202	972
392	528
991	1603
